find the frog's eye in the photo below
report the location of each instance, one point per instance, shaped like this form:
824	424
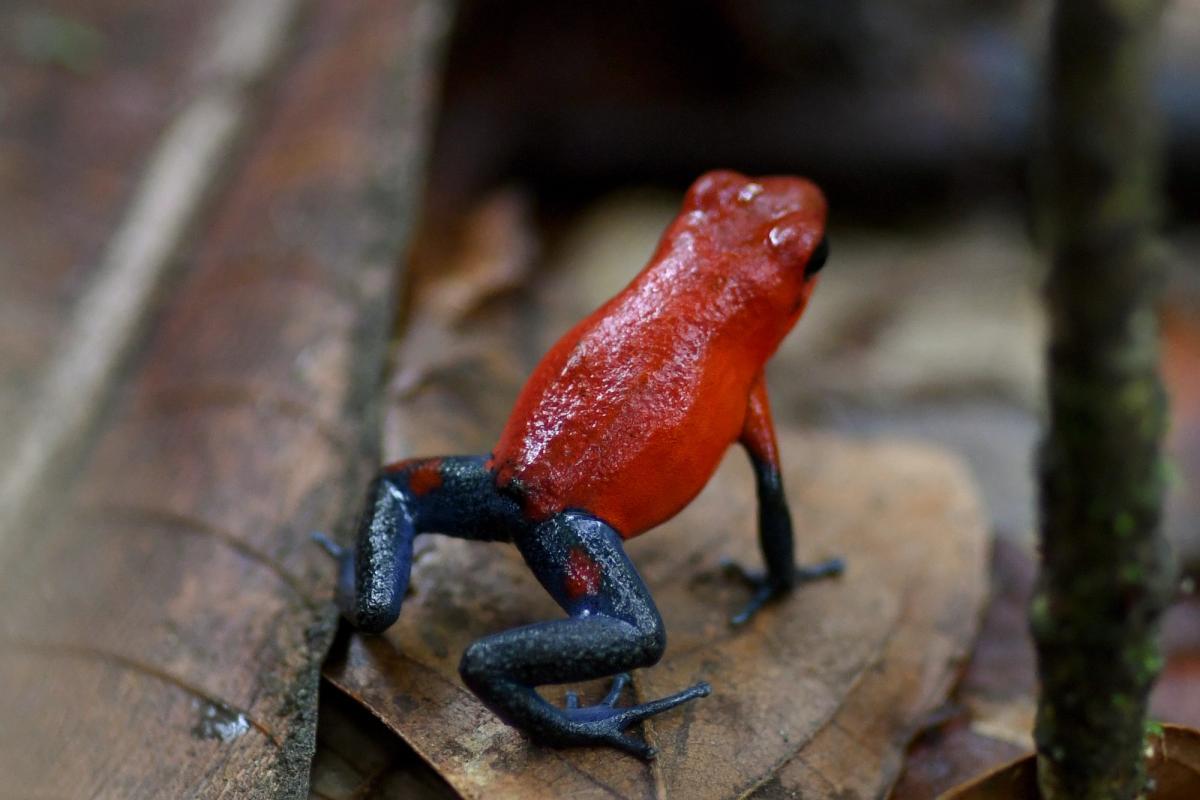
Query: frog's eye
817	259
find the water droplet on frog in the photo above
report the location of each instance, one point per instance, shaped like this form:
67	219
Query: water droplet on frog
749	192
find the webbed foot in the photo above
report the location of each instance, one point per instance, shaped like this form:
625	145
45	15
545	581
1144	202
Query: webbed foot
605	722
766	589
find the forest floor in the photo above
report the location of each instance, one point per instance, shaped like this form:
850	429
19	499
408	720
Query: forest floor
931	335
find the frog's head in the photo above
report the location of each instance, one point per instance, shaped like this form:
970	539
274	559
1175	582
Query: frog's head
774	226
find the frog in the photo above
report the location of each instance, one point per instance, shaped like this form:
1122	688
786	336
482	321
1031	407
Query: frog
619	427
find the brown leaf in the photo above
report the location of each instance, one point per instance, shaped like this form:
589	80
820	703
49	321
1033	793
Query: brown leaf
1180	355
1173	767
995	702
359	759
946	755
904	516
70	155
832	682
861	751
1176	696
991	719
160	636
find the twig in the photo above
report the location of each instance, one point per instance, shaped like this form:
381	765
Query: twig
1105	577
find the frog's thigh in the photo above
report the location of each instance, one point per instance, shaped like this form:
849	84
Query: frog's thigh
613	625
581	562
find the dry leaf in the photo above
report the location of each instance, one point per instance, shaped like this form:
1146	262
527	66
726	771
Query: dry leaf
159	635
360	759
904	516
1173	768
991	721
71	154
1180	356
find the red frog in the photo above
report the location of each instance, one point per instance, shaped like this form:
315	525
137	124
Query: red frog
619	427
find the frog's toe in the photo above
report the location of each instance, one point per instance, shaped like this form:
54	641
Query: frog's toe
764	592
605	723
329	545
614	693
649	709
632	745
766	589
822	569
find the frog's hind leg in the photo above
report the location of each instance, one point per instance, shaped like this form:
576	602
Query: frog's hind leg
455	495
613	627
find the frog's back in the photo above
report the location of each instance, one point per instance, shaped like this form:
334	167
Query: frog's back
629	414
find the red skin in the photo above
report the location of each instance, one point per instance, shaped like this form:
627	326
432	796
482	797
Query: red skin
629	414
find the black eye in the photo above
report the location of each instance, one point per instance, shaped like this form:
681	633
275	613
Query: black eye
817	259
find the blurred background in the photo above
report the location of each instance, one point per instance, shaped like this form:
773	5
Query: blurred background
559	139
917	119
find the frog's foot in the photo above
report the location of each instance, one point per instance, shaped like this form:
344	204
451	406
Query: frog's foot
612	628
357	607
766	588
605	723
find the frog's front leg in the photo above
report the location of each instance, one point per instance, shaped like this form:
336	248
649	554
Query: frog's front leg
774	519
613	627
454	495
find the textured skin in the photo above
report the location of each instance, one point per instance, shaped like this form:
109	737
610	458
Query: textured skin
628	415
619	427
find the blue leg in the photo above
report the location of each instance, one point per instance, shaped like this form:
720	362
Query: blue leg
454	495
774	519
775	537
613	627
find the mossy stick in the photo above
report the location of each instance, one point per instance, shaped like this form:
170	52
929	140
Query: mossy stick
1105	576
